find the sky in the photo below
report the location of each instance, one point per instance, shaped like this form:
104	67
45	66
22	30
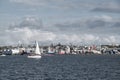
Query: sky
60	21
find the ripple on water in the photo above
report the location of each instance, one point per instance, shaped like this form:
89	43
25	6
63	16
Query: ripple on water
61	67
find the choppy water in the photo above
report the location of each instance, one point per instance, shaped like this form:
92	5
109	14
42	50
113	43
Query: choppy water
61	67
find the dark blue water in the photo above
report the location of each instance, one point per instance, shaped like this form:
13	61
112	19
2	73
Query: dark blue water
61	67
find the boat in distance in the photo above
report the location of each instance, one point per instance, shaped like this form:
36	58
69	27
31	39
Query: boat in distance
37	53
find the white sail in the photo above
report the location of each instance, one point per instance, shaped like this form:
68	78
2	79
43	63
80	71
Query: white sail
37	50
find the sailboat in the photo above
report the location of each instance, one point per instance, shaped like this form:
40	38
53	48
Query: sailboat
37	53
3	55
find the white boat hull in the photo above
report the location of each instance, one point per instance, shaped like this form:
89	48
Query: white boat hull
3	55
35	56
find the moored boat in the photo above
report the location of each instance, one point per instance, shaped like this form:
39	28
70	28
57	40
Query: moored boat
3	55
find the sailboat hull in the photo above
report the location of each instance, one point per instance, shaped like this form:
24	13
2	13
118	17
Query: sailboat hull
34	56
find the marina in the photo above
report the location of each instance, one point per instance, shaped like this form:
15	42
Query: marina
60	49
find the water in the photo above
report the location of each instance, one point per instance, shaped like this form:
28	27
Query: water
61	67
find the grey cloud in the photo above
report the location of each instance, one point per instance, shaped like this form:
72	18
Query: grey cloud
111	6
57	4
68	26
91	30
96	23
113	10
91	25
117	24
30	22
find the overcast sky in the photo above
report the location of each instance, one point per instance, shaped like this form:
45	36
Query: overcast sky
65	21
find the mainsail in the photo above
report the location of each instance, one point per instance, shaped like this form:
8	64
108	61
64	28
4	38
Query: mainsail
37	50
